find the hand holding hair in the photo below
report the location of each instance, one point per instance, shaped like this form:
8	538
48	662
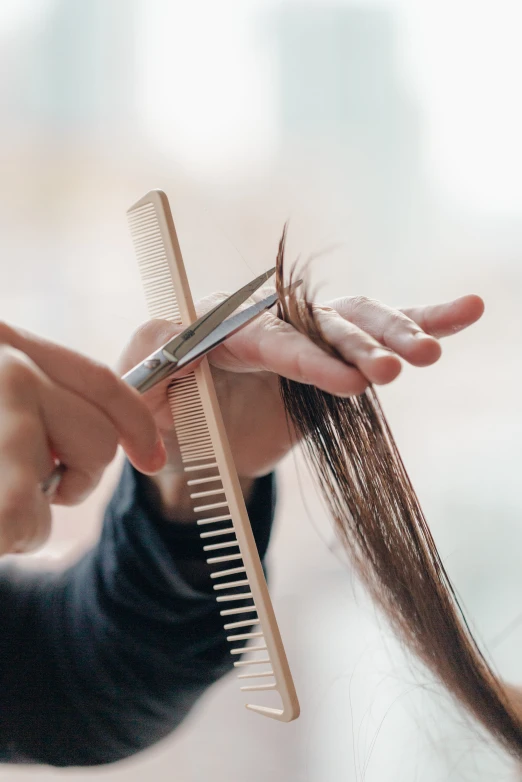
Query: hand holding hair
355	461
371	341
56	403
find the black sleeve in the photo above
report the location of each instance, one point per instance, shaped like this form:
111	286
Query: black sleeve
104	659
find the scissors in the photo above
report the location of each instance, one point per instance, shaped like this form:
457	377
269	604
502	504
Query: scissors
195	341
201	336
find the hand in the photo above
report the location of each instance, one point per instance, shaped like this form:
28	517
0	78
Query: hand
372	338
56	404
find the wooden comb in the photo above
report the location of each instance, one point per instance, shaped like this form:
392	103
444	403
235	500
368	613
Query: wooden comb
208	463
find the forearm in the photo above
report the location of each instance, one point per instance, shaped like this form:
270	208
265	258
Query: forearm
108	657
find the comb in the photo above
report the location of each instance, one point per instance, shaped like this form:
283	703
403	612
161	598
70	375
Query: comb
211	475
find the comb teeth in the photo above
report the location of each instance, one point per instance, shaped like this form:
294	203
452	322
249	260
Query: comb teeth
207	460
242	623
194	436
205	466
216	546
152	260
231	584
213	519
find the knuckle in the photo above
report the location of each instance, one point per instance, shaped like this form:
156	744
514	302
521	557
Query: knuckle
352	307
342	304
359	302
15	373
326	312
395	323
107	382
6	333
269	322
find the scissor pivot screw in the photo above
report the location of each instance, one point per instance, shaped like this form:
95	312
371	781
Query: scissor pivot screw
152	363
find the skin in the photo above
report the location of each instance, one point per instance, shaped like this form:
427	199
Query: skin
57	404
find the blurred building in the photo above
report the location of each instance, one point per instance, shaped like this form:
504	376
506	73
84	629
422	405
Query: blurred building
342	98
70	131
79	68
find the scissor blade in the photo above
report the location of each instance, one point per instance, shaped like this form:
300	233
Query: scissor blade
225	329
159	366
202	328
230	326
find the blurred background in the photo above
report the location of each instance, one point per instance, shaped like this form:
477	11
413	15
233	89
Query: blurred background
389	133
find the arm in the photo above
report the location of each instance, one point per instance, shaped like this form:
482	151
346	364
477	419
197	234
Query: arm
106	658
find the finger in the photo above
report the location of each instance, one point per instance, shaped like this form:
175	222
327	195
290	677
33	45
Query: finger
81	437
443	320
145	340
25	460
391	328
295	356
357	347
76	432
101	387
271	345
25	512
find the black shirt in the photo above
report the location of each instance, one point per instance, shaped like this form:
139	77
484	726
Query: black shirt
107	657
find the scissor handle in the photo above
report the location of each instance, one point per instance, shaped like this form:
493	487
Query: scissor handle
154	368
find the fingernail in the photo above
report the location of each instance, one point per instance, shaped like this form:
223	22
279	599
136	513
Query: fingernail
422	335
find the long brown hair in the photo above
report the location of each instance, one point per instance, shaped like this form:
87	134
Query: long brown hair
378	517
